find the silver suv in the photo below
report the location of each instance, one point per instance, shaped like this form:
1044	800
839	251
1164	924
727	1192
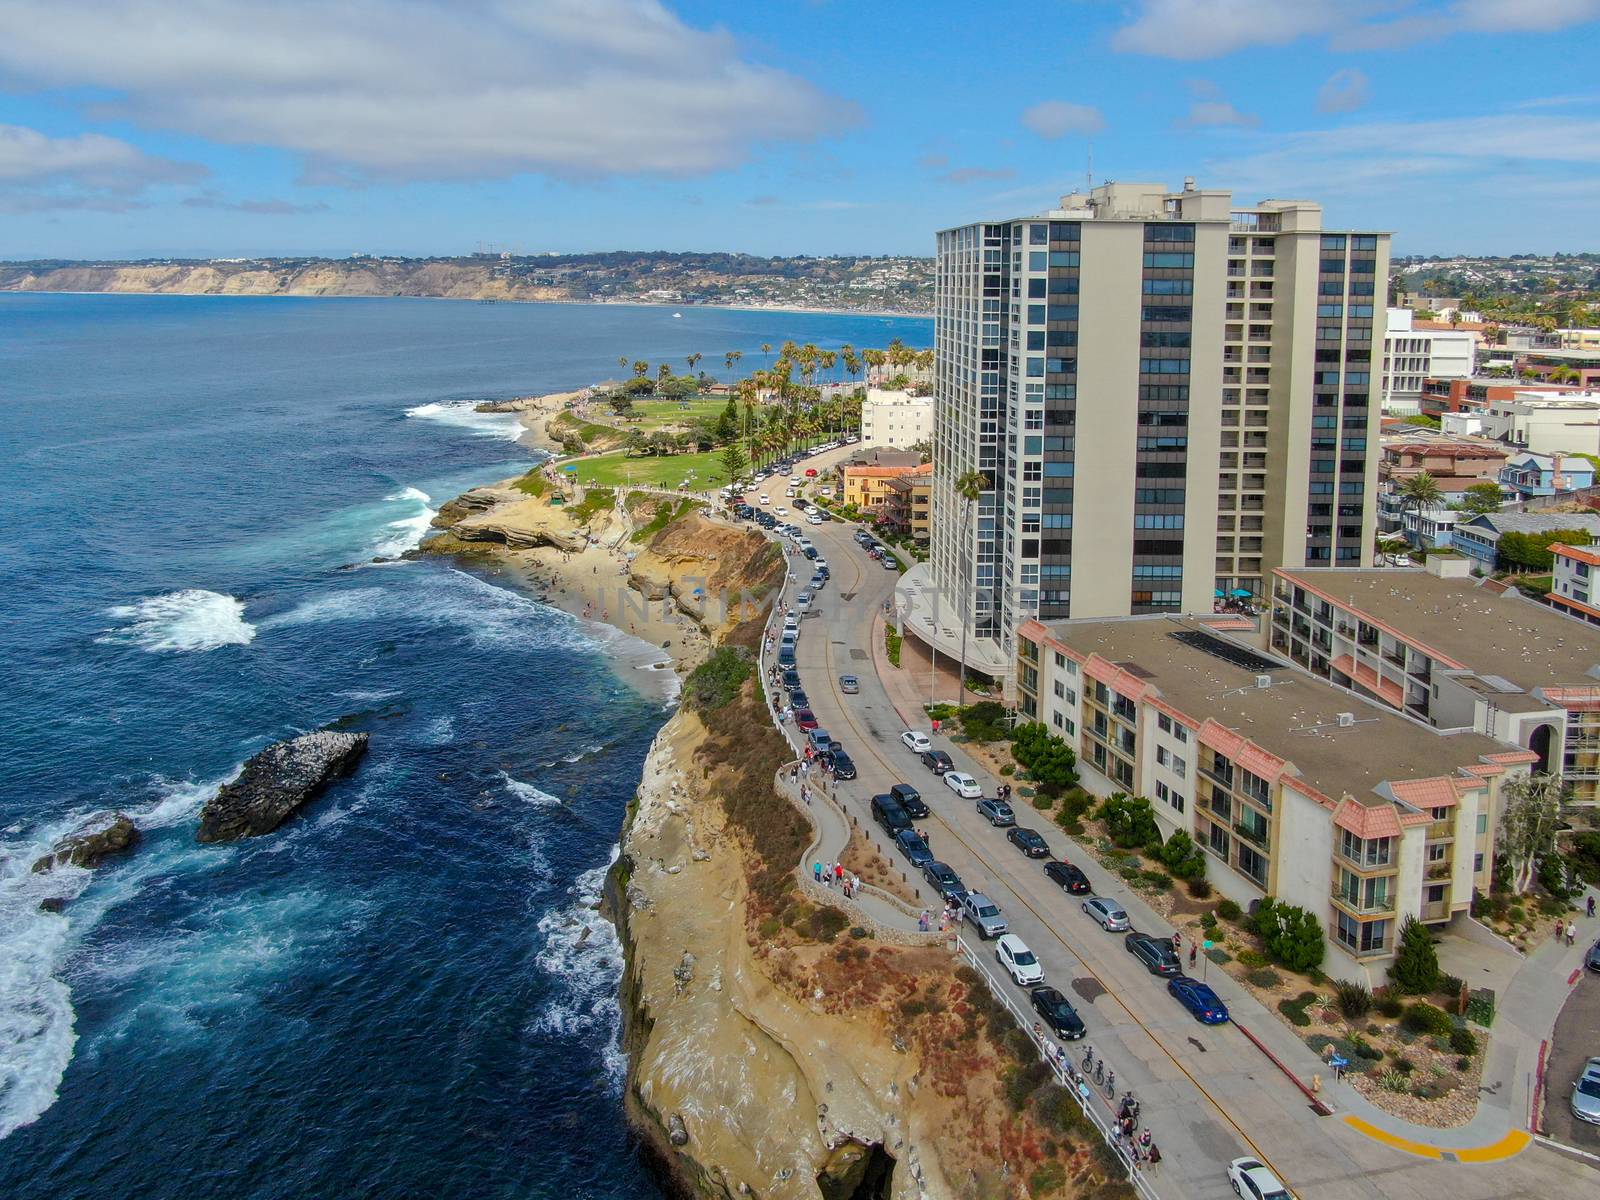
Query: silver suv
985	914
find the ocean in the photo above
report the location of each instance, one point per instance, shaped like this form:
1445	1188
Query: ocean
406	990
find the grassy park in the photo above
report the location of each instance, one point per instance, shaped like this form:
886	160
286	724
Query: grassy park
703	472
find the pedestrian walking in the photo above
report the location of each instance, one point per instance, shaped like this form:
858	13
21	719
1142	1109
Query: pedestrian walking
1591	907
1194	951
1154	1157
838	872
1572	933
1177	941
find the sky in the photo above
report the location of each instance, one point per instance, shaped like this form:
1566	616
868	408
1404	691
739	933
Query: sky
222	128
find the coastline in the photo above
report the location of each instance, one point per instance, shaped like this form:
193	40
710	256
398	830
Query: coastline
893	314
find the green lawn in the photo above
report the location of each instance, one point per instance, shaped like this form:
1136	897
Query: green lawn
702	471
650	415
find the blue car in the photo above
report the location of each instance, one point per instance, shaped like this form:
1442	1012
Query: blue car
1203	1004
786	656
913	847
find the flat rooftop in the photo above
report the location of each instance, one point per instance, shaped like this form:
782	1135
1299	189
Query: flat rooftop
1296	718
1519	640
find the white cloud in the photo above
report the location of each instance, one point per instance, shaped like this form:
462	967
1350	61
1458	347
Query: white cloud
1199	29
424	89
1344	91
1052	119
86	171
1216	114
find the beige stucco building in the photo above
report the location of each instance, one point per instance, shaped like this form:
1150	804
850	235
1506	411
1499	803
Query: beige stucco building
898	420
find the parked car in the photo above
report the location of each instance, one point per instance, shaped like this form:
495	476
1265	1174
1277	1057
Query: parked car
1113	918
786	656
798	698
913	847
937	761
821	564
997	812
743	511
1592	959
1028	841
1586	1093
791	679
805	719
1058	1013
817	580
963	785
1068	878
889	815
984	914
762	499
910	799
843	766
861	536
1252	1179
814	519
890	563
916	741
820	740
942	879
1019	962
849	685
1156	953
1203	1004
803	601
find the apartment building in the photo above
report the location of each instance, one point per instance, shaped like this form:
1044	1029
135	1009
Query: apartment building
908	504
1572	582
1412	355
1295	789
870	487
1530	475
1546	422
1215	364
1580	339
1453	653
895	419
1443	396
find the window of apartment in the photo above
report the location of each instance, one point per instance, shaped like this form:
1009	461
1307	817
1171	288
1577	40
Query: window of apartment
1437	853
1164	723
1061	659
1061	689
1162	756
1179	767
1477	863
1179	732
1483	818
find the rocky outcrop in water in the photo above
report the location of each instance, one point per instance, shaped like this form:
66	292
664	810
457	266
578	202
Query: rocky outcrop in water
277	782
108	834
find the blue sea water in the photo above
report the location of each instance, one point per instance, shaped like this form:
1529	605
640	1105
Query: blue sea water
405	991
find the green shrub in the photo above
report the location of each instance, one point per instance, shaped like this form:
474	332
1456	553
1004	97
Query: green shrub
1451	985
1423	1017
1182	856
1129	820
1355	999
1042	802
1262	977
1463	1064
1390	1005
984	721
1050	761
1229	910
1158	880
1415	970
1008	770
596	500
1253	958
1023	1081
1291	935
1480	1007
1046	1178
891	644
827	923
715	682
1295	1010
1219	955
1131	874
1463	1041
1208	921
860	934
1200	889
533	483
1403	1064
769	927
1365	1049
1394	1081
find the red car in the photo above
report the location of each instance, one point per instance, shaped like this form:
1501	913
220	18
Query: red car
805	719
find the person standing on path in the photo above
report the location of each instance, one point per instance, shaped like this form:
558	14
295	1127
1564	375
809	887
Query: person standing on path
1591	907
1194	951
1572	932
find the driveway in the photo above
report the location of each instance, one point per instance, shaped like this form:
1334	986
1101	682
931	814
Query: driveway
1576	1039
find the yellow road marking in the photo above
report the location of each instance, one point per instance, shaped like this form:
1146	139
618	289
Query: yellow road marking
1513	1143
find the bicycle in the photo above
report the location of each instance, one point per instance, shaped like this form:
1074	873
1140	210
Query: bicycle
1100	1071
1088	1059
1111	1084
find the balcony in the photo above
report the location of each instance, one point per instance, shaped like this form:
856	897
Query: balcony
1250	832
1221	775
1439	870
1441	831
1438	910
1350	900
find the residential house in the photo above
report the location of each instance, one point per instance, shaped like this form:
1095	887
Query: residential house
1531	474
908	505
1479	538
1572	581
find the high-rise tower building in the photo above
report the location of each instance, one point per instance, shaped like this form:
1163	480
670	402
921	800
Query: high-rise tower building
1167	397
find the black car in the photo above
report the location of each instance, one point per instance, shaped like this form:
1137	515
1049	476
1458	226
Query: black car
913	847
1062	1018
791	679
843	768
1029	842
1155	953
1068	878
798	698
743	511
910	799
943	880
937	761
809	551
890	815
766	520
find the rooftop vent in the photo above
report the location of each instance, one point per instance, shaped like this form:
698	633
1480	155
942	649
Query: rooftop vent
1346	720
1263	681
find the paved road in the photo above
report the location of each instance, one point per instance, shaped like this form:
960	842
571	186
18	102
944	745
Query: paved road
1207	1094
1577	1038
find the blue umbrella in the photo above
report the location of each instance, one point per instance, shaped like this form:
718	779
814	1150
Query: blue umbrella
1241	593
1219	593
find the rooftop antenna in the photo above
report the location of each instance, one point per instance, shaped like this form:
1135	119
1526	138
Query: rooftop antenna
1088	172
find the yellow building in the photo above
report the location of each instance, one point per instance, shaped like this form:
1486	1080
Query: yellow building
871	487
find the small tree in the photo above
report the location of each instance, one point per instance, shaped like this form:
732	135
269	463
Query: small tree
1481	498
1292	936
732	460
1182	857
1130	821
1529	816
1415	969
1049	760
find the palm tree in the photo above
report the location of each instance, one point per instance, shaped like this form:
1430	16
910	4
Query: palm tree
766	348
694	361
874	359
622	361
641	368
731	357
969	486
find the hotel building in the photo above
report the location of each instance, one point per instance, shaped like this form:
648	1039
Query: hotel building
1294	789
1455	654
1167	395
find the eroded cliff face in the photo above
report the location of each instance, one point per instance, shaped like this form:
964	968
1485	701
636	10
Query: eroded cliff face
742	1087
447	280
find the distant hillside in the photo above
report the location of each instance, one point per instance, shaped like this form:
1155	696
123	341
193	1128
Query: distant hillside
883	284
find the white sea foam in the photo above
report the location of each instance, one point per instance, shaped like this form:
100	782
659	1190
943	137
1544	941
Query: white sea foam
583	957
463	414
191	619
529	794
36	1017
406	532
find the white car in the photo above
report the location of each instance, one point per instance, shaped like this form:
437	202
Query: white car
1252	1179
761	499
1018	960
781	511
810	510
794	481
819	563
813	519
917	742
963	785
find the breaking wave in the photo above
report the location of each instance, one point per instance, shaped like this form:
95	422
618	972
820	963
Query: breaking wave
191	619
